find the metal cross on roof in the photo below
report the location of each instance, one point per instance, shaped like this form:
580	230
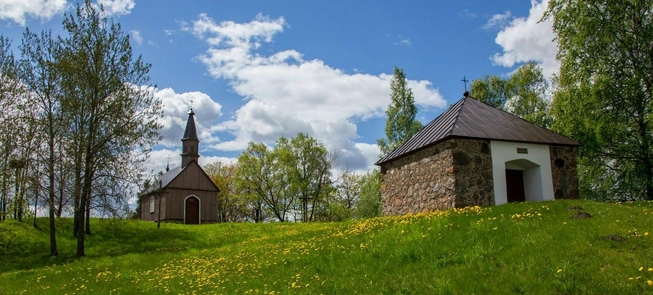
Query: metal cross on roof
465	81
191	103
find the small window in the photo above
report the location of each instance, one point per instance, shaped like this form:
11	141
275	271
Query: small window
522	150
185	149
192	148
151	204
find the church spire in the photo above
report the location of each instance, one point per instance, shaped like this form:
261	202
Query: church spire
190	142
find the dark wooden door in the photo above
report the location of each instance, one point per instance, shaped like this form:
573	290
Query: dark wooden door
192	211
515	185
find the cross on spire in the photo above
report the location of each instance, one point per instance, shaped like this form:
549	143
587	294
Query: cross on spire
465	81
191	103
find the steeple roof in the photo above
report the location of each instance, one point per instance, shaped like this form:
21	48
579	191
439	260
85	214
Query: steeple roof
191	132
470	118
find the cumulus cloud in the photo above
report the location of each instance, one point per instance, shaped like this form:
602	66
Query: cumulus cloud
160	158
117	7
286	94
175	115
19	10
527	39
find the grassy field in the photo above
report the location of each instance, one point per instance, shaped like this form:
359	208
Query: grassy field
529	248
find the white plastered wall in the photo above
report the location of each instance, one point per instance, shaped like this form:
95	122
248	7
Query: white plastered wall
536	164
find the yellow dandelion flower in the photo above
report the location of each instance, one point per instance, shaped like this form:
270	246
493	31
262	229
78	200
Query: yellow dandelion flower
630	279
650	269
646	233
495	228
641	268
560	270
649	282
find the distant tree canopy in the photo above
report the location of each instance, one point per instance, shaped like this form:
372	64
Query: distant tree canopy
400	124
292	181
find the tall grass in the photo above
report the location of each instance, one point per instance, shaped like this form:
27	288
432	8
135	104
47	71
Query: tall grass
528	248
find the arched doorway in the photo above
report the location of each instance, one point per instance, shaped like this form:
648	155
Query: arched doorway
192	210
523	181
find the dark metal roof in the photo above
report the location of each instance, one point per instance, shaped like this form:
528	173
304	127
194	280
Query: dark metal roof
470	118
166	178
190	131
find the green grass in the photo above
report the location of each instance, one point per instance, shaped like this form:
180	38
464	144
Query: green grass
528	248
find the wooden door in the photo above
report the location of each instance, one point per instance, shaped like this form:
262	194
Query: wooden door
515	185
192	211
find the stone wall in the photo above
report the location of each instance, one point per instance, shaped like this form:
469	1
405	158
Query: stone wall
454	173
563	172
472	166
419	182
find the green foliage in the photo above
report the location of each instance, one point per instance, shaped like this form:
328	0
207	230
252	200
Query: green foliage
259	178
293	176
401	124
369	203
532	248
604	94
523	94
232	206
308	165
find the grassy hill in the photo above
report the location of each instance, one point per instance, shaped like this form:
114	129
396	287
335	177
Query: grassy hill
529	248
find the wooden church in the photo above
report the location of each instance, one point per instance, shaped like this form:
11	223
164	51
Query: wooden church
475	154
183	194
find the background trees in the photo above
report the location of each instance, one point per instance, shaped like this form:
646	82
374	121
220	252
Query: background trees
401	124
604	93
81	99
523	94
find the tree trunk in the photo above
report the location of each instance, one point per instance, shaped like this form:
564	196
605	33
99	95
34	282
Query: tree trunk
88	217
36	204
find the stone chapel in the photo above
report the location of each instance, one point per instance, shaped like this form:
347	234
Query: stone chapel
475	154
183	194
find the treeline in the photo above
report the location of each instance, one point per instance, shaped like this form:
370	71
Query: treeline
78	120
293	181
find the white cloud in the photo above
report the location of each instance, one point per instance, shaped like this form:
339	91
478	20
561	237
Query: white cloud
19	10
175	116
498	21
160	158
117	7
286	94
404	42
527	39
467	14
137	36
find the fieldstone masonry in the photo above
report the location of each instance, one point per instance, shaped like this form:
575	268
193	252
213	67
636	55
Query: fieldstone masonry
457	173
454	173
563	172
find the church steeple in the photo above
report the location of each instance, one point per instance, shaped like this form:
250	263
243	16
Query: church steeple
190	142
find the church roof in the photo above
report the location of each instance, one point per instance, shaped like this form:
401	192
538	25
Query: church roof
470	118
166	178
190	131
171	175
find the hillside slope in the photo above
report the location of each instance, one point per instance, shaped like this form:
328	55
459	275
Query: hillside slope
559	247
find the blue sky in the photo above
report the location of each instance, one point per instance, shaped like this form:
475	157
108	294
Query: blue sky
257	70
